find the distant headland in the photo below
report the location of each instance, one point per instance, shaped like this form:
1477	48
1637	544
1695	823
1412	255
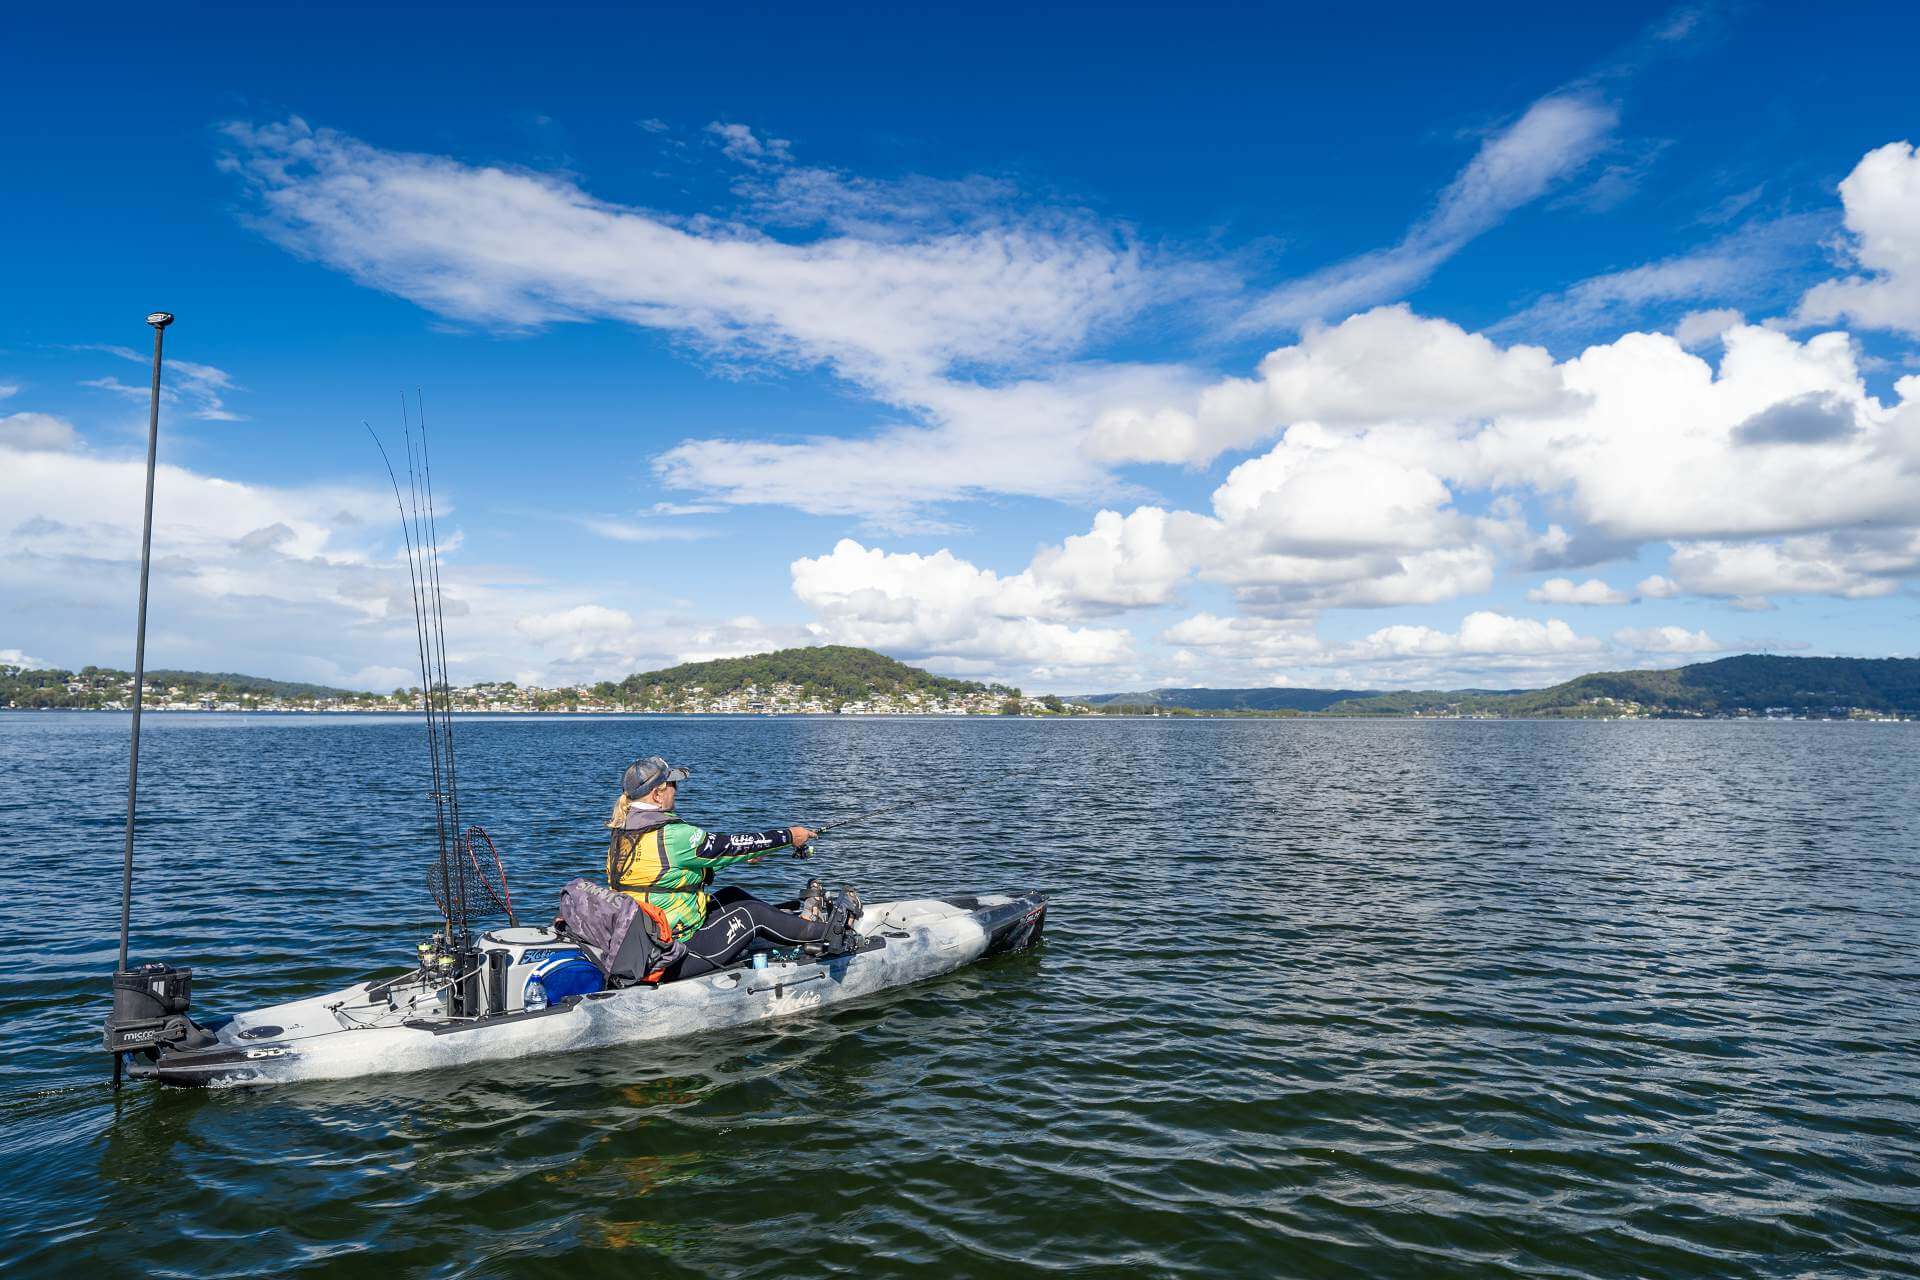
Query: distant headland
1749	686
829	679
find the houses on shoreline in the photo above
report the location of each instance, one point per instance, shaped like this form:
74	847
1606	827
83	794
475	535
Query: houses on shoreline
95	690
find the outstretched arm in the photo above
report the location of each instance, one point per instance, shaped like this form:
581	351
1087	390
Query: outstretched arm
723	849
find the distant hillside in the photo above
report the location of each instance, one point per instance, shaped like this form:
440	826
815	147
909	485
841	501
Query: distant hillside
228	681
1751	682
830	673
1228	699
827	671
49	687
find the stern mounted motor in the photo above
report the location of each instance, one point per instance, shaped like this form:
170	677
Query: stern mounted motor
150	1012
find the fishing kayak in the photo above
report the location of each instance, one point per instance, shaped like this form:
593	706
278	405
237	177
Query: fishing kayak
404	1023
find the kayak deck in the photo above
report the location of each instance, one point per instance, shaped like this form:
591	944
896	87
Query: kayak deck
400	1024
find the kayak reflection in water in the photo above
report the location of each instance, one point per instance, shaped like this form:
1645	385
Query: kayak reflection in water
655	857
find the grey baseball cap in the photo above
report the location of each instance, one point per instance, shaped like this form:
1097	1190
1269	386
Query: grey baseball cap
644	775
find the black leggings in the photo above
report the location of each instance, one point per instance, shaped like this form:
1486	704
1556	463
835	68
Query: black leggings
734	919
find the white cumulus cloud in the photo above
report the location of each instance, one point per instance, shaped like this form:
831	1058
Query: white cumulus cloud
1856	565
939	607
299	582
1700	328
1483	633
1565	591
1383	365
1882	201
1396	459
1658	587
1666	640
38	432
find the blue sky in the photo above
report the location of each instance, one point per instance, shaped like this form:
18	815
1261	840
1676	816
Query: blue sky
1095	348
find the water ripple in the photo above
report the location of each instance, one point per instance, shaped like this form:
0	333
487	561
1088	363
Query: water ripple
1329	999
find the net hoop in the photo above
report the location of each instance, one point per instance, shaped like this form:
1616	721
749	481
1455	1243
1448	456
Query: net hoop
490	870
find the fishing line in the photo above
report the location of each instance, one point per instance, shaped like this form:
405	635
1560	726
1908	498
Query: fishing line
806	850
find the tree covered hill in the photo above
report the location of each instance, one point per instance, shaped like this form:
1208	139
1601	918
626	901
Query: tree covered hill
92	686
831	675
1751	682
835	674
1227	699
833	671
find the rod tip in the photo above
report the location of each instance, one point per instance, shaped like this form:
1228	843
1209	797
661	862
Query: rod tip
160	319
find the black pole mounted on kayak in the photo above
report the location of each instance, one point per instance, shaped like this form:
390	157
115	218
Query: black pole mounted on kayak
159	320
146	1002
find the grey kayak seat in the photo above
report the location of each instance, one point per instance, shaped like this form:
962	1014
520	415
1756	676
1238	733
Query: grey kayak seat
616	933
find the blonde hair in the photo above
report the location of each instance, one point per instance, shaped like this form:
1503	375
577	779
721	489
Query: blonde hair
624	802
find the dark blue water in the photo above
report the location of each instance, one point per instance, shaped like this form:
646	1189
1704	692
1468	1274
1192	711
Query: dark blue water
1317	998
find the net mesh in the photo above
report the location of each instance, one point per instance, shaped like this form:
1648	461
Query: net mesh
469	883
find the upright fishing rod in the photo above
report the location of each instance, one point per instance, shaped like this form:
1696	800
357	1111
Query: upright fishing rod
426	606
414	575
455	885
436	700
459	877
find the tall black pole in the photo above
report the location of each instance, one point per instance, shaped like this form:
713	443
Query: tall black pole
159	320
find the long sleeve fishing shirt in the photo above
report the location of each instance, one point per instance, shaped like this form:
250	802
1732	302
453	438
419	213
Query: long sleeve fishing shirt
658	857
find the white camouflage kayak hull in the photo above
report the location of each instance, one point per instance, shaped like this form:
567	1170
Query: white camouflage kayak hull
379	1028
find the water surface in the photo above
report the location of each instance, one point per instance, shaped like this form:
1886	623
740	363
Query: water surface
1317	998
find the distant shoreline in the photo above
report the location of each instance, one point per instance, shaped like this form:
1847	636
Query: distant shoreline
1099	718
839	680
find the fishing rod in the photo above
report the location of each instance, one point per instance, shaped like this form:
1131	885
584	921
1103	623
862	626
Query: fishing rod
806	850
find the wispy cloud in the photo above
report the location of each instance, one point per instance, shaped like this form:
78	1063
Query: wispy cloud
514	249
742	144
1732	206
1616	183
968	328
1552	139
636	531
1551	142
1758	265
201	388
